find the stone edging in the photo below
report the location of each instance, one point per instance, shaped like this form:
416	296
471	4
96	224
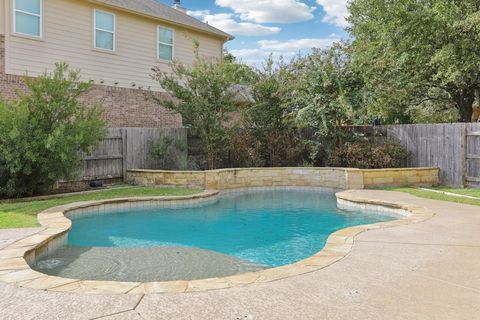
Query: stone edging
14	268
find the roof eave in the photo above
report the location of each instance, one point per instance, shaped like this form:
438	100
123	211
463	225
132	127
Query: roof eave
220	34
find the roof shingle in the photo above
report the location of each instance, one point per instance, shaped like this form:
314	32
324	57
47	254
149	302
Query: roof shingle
163	12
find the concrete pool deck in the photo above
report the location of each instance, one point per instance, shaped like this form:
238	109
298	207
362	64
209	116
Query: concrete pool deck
428	270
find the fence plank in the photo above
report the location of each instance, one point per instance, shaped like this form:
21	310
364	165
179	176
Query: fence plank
443	145
473	154
123	149
104	157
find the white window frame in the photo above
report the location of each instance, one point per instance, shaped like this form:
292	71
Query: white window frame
165	44
114	33
15	10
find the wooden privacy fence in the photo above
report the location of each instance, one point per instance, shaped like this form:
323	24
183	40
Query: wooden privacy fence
472	165
107	160
126	148
454	148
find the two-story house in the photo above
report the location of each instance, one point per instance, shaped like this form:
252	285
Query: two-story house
114	43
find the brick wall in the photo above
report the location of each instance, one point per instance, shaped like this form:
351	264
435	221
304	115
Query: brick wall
124	107
131	108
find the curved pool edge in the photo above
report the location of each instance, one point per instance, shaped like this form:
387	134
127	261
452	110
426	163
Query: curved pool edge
15	258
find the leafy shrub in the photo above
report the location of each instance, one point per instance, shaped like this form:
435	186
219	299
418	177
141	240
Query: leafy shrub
366	155
286	149
158	149
44	131
269	136
246	150
328	93
281	149
169	153
203	95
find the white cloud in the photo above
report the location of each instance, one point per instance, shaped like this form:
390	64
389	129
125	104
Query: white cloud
249	54
296	44
336	11
198	13
269	11
286	49
227	23
257	57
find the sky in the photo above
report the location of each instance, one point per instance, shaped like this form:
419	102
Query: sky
281	27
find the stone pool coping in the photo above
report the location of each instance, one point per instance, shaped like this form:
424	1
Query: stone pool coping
14	267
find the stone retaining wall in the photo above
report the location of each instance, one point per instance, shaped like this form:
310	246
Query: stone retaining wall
338	178
400	177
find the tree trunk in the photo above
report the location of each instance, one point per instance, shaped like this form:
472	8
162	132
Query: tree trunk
211	160
465	102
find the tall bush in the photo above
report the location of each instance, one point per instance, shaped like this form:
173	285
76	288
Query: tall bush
270	120
328	92
246	150
43	132
204	95
168	153
368	155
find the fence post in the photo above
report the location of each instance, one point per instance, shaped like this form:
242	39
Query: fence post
464	154
124	153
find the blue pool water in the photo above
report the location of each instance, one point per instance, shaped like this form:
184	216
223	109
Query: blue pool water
266	228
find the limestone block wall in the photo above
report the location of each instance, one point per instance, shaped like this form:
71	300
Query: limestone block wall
401	177
337	178
276	177
248	177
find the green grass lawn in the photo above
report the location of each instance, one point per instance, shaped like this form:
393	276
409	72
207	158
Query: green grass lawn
439	196
23	214
466	192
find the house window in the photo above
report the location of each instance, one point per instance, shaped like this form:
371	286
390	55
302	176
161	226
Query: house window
104	30
27	17
165	44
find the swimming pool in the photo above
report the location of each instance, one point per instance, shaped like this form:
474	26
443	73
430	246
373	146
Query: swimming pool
240	232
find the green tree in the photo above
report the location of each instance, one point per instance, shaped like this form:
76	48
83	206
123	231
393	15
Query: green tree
417	51
229	57
271	91
271	117
204	95
44	131
329	90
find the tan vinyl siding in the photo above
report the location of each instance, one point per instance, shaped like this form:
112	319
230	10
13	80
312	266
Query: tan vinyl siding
2	17
68	36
